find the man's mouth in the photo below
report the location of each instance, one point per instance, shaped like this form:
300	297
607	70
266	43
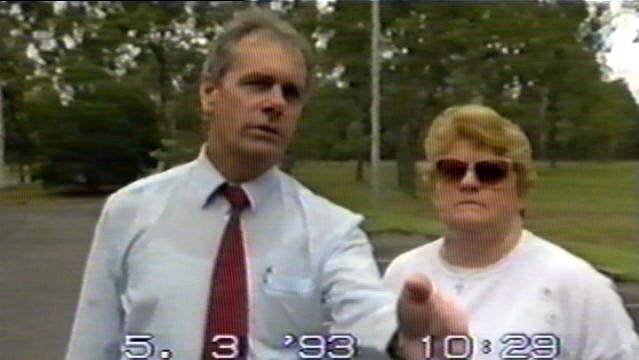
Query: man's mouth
264	130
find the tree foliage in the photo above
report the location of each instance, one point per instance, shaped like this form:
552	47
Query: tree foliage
537	62
104	139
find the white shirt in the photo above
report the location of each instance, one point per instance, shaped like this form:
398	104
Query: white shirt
311	269
539	291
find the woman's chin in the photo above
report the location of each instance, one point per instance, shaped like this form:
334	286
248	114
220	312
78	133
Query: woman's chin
468	222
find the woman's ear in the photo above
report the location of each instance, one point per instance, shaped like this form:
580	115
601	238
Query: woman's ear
523	205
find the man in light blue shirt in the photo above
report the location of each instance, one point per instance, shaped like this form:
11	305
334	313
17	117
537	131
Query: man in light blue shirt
309	267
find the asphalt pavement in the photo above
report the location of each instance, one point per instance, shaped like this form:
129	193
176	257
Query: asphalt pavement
43	249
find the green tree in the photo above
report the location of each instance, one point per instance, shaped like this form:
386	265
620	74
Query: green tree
523	59
104	139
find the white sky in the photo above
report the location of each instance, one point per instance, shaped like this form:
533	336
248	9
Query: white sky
623	57
624	54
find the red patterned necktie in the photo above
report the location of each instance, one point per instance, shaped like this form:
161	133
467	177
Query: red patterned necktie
227	321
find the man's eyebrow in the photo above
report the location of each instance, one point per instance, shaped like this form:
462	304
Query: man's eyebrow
265	77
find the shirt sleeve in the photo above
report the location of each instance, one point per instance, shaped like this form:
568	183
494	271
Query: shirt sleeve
606	328
97	329
358	303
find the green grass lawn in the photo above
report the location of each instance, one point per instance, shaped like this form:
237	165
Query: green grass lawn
592	209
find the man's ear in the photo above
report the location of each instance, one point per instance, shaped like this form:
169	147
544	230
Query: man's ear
207	88
207	96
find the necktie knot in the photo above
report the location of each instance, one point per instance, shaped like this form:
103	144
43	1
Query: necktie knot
236	197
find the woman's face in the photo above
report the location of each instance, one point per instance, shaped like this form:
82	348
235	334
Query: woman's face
475	189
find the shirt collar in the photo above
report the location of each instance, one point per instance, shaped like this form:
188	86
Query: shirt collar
208	179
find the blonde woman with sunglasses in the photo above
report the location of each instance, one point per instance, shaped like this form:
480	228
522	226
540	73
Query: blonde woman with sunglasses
526	297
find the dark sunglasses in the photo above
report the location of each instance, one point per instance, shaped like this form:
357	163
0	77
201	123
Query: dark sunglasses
488	172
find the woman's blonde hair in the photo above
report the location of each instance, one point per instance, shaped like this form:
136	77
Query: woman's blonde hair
485	128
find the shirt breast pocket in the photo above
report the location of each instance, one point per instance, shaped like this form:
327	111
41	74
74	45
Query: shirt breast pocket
286	285
291	303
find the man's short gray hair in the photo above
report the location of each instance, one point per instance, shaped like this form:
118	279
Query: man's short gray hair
246	22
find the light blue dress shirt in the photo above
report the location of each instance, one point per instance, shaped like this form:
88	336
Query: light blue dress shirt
310	268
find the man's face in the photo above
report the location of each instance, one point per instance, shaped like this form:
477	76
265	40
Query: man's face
254	108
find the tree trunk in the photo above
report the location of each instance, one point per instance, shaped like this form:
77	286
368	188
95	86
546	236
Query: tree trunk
552	145
406	160
21	172
375	98
359	170
164	83
2	175
541	125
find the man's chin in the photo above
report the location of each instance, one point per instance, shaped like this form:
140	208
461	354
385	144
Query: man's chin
263	153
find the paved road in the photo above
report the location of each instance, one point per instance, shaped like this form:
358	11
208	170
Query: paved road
43	247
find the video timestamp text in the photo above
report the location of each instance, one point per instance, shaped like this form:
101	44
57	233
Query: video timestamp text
308	346
515	346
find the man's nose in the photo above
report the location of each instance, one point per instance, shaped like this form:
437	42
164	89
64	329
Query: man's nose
274	102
